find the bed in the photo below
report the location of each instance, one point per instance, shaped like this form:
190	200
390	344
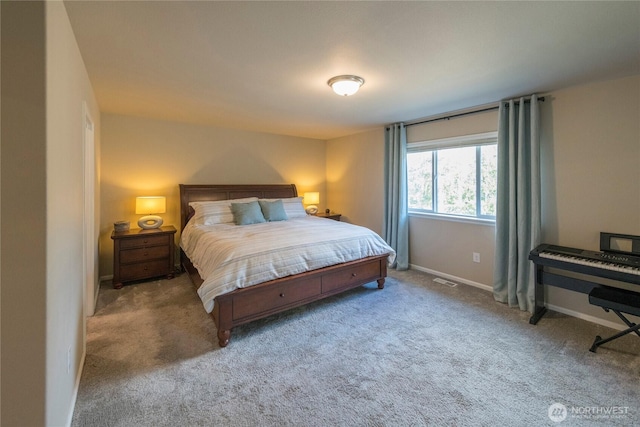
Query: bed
233	307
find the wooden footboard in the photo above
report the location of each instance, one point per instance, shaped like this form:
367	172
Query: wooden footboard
259	301
256	302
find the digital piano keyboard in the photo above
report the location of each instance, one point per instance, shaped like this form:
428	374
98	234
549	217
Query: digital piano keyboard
613	265
608	261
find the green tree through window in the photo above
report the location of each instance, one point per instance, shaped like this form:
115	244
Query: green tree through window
456	176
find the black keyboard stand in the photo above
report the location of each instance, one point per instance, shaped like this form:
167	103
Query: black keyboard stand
619	301
557	279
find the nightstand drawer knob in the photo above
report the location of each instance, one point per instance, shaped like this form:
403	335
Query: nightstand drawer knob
353	274
281	295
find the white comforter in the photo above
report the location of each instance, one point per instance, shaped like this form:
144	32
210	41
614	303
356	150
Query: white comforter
229	256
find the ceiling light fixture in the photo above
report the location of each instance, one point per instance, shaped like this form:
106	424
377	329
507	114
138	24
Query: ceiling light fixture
345	85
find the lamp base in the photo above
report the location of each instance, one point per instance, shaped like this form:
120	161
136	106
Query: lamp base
311	209
149	222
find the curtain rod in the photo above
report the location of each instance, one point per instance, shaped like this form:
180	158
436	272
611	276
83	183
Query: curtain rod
453	116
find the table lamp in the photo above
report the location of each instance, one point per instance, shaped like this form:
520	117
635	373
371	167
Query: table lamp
149	206
311	199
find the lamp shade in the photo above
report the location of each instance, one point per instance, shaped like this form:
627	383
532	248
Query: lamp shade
311	198
151	205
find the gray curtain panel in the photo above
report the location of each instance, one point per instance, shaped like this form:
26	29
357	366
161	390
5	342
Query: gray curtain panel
518	205
395	227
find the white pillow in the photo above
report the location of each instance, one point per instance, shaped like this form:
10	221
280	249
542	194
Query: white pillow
215	212
292	207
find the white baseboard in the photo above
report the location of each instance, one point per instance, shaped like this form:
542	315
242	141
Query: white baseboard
452	277
593	319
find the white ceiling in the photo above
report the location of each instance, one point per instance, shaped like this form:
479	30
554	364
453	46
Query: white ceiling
263	66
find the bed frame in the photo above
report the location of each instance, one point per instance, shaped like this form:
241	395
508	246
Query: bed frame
256	302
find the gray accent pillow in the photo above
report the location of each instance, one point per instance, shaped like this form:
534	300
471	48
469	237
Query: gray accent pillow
273	211
247	213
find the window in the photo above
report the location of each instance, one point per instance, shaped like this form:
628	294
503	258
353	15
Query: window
454	176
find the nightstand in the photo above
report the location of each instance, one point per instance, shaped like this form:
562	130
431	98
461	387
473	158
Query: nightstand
142	254
334	216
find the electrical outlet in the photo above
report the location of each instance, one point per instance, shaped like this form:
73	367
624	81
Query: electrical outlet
476	257
69	360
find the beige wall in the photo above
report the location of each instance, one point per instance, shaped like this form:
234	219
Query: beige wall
68	91
143	157
590	168
355	178
24	219
42	213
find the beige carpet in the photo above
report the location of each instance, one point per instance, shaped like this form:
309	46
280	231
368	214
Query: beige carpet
414	353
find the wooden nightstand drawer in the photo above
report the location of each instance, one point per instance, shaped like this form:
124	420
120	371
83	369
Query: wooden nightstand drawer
144	254
273	297
143	241
347	278
142	270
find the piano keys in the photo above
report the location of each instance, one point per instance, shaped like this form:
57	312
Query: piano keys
608	265
610	261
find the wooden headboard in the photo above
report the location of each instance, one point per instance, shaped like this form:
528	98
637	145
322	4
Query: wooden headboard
197	193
